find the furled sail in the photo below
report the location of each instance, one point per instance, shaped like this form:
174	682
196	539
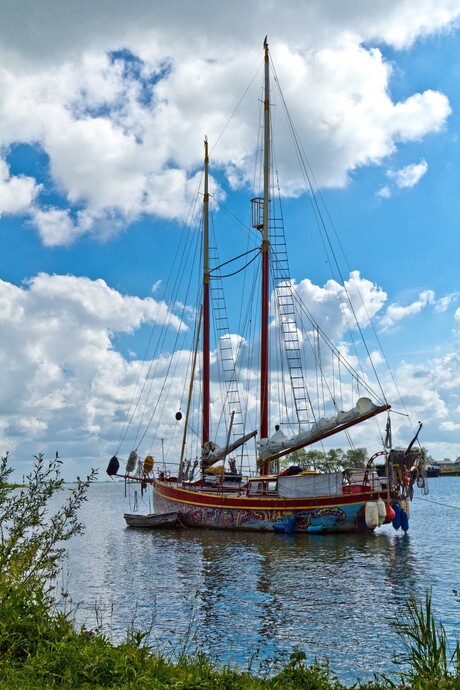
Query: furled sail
211	452
279	445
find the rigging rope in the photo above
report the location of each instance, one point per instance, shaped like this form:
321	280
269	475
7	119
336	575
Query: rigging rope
228	275
314	192
438	503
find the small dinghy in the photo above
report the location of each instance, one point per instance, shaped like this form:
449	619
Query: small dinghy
151	520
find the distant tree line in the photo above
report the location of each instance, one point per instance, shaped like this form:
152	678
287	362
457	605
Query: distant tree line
333	460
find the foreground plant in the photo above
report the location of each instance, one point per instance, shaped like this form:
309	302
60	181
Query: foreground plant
428	661
32	544
31	539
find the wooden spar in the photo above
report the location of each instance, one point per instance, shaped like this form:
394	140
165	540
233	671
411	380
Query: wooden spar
206	316
265	296
189	401
324	434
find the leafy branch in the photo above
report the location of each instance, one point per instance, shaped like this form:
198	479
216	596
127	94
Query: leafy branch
31	538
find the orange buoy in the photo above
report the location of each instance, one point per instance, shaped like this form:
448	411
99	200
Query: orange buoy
390	513
148	464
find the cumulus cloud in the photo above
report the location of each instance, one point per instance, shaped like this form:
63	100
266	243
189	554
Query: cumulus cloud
430	391
117	98
17	193
329	305
397	312
404	178
64	385
60	375
449	426
410	175
121	112
55	225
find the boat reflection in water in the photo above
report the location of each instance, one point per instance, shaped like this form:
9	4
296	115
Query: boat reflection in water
261	595
242	596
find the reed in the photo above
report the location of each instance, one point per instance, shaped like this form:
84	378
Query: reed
428	660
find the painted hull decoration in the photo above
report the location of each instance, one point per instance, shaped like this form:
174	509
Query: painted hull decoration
253	516
254	479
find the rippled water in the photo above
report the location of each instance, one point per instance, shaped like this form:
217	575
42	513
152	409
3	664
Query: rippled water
251	598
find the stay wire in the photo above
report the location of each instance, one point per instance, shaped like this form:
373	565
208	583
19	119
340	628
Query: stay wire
314	192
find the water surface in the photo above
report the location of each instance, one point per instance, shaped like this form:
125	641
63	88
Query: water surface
252	598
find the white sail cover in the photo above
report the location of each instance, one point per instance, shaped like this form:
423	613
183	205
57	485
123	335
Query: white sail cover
278	442
212	452
308	485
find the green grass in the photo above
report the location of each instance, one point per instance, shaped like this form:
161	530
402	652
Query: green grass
40	647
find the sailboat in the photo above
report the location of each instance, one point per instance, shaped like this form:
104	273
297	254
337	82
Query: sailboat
214	489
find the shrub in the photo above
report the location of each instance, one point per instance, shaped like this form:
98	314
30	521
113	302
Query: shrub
31	549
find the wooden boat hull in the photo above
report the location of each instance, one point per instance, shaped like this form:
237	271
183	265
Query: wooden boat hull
343	513
153	520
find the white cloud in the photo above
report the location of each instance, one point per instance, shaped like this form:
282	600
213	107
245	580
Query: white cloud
397	312
444	303
406	21
410	175
55	226
61	380
376	358
404	178
16	193
329	304
384	192
430	391
64	386
449	426
123	137
123	132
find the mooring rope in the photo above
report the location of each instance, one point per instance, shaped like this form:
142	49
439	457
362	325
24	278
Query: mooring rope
444	505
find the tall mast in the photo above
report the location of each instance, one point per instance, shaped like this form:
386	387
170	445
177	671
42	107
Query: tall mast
206	318
265	297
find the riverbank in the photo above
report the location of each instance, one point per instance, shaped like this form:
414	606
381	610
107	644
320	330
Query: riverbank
40	649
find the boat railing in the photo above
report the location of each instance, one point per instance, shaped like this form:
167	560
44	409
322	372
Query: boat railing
354	480
362	479
316	483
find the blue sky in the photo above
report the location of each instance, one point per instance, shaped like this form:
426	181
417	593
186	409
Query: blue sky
103	112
